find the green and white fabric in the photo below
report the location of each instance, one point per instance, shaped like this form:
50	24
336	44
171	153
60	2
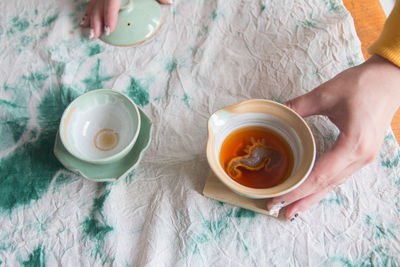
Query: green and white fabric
208	54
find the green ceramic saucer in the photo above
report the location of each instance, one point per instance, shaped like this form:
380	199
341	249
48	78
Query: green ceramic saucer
113	171
138	20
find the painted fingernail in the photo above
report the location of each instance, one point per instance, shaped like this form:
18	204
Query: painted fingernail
107	29
274	211
83	19
294	216
91	33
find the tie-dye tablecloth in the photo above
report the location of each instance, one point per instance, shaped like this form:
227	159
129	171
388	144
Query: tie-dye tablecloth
208	54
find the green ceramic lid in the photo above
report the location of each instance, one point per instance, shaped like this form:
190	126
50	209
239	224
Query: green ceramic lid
138	20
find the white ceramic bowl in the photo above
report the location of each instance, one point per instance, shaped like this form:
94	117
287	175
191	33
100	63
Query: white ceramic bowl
100	126
274	116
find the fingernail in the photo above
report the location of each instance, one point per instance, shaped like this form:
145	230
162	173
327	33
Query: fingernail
274	211
295	216
83	19
91	33
107	29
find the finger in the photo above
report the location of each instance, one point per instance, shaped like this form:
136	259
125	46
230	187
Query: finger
96	22
111	8
165	2
85	21
326	169
306	105
305	203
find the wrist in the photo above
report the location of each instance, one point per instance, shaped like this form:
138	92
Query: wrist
387	74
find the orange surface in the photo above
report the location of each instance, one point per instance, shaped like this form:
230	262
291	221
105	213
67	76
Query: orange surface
369	18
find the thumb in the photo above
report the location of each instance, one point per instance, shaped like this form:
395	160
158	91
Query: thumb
306	105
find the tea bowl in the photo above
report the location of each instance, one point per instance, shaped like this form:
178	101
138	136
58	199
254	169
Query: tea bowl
100	126
274	116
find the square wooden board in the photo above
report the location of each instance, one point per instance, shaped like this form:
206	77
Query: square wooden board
215	189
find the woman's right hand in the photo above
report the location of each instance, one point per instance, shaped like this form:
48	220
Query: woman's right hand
102	15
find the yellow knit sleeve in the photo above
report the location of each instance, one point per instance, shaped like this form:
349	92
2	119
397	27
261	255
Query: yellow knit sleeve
388	43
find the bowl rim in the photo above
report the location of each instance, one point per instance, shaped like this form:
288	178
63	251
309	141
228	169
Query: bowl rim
113	157
257	193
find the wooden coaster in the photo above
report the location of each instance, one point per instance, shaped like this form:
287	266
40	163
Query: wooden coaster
215	189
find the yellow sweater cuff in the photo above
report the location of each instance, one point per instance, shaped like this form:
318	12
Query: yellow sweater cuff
388	43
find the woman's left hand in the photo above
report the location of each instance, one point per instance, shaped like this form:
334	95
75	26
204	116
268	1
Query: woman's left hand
361	102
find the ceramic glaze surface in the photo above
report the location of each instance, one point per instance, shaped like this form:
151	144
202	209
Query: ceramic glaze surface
138	20
111	171
100	126
267	114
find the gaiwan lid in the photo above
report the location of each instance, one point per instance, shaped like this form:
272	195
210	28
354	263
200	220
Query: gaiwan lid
138	20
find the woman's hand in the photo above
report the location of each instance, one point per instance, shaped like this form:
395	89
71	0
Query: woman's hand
361	102
102	15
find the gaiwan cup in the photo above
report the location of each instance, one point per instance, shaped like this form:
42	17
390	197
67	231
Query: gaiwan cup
274	116
100	126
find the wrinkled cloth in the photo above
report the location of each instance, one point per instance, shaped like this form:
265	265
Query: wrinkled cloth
206	55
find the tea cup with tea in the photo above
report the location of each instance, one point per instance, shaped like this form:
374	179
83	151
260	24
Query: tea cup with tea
260	148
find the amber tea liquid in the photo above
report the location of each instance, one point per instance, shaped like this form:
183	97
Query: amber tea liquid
235	144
